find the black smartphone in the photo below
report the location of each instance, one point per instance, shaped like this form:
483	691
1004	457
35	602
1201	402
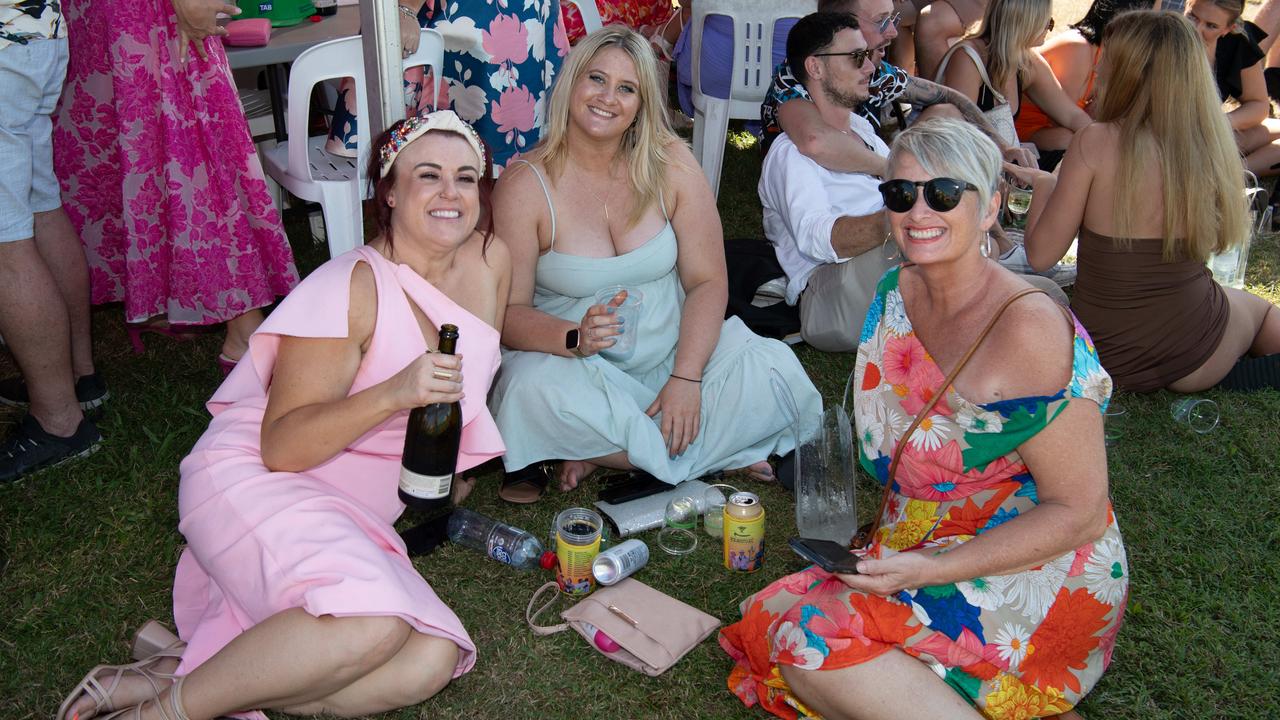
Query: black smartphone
633	486
830	556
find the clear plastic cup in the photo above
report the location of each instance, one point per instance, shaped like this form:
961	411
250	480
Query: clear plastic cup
1019	200
678	538
713	513
1113	424
627	318
1199	414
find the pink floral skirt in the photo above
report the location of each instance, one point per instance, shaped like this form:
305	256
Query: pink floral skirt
159	173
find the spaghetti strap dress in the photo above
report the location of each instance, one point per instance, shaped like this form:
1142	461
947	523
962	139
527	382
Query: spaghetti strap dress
551	407
1024	645
260	542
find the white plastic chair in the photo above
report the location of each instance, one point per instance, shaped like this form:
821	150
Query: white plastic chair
753	22
301	165
589	13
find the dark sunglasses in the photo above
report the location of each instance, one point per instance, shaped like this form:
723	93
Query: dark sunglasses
941	194
859	56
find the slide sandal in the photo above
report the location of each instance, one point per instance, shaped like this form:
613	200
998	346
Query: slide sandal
526	485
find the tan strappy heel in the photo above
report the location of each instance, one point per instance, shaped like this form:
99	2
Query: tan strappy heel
174	711
101	692
151	638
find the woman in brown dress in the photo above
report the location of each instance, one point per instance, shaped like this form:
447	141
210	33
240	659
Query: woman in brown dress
1154	188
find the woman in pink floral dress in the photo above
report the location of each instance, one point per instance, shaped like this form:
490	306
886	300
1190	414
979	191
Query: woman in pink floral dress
159	173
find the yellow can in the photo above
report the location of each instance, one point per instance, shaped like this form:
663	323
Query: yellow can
577	544
743	533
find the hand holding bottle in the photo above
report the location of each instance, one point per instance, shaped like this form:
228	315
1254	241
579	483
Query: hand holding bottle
430	378
432	386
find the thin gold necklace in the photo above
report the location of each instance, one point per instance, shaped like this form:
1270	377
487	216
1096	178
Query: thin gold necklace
603	203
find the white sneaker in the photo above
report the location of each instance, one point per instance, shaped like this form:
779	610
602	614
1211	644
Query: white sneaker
1015	259
770	292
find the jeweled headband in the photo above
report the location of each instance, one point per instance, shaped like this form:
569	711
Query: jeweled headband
418	125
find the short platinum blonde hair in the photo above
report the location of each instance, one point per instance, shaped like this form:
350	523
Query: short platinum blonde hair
951	148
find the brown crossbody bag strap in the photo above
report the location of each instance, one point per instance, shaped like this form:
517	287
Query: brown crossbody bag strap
865	533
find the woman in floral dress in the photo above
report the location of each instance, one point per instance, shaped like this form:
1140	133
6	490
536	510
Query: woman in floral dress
500	84
159	173
997	580
647	17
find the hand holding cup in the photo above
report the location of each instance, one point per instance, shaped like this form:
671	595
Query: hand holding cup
601	325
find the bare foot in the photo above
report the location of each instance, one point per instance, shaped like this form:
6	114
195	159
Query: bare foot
132	689
462	487
572	472
761	471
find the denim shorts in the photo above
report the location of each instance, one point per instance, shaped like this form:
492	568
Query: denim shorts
31	78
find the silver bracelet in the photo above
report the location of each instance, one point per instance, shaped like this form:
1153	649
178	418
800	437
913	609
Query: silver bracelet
409	13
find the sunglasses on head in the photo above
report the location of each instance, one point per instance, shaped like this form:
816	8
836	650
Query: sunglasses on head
882	25
941	194
859	56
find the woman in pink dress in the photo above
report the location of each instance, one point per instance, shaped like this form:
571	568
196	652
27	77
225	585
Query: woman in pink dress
159	174
295	593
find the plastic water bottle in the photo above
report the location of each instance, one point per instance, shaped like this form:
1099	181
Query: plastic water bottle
494	538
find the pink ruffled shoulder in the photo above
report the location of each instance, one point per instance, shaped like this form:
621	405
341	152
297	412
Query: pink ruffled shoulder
318	308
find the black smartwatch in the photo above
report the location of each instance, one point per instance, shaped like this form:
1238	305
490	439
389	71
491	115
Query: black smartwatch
571	340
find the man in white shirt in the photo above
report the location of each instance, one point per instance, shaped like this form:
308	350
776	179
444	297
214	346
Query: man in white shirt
828	228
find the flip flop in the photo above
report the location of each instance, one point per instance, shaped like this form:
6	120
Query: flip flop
526	485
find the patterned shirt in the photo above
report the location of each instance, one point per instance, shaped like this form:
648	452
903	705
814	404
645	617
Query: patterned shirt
23	20
887	84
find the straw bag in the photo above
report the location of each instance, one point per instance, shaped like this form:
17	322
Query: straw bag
653	629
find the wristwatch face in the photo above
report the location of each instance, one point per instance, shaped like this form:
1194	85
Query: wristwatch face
571	339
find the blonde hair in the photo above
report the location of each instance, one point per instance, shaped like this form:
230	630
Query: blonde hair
1160	93
644	144
952	148
1235	7
1008	28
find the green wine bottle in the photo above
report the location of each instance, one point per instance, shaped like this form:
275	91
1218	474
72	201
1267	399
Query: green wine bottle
431	445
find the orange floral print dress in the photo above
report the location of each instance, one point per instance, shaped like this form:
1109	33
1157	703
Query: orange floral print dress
1016	646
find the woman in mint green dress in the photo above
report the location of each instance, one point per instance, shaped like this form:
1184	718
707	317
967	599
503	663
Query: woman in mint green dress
612	197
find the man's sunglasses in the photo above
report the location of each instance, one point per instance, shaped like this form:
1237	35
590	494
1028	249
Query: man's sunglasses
942	194
859	56
883	25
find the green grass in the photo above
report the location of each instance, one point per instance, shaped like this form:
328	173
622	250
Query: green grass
91	548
